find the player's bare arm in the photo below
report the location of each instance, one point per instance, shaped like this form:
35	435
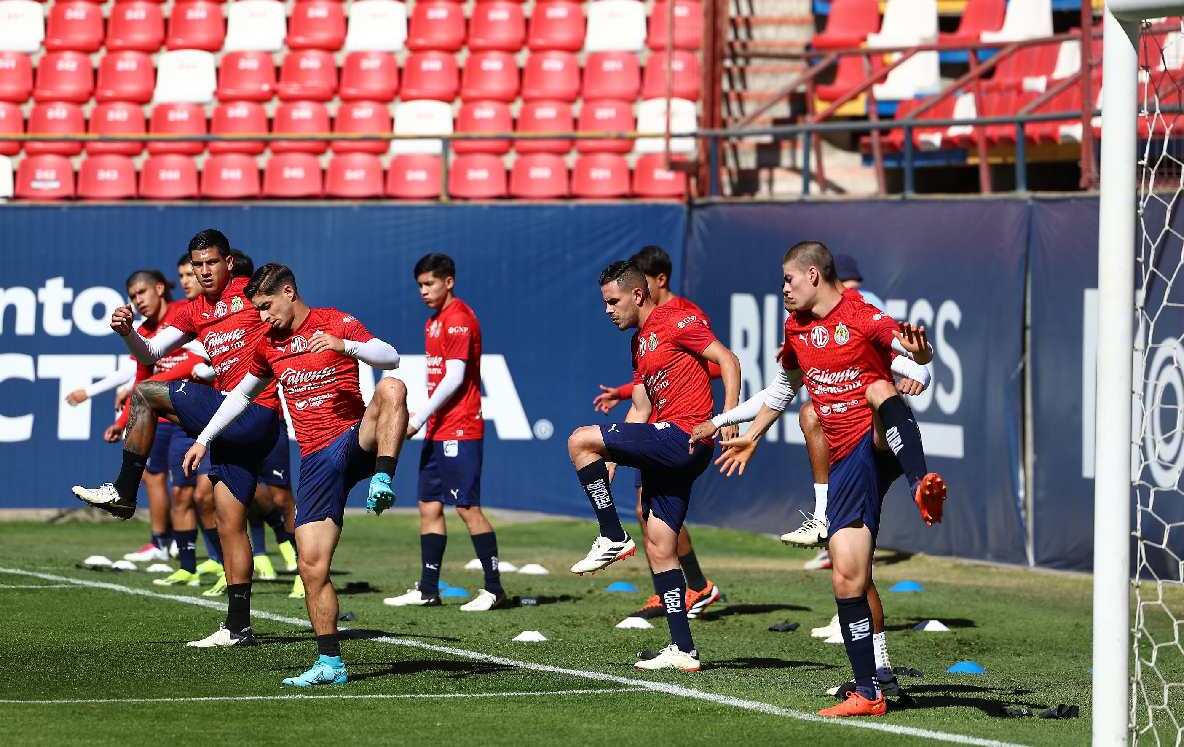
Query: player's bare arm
915	342
606	400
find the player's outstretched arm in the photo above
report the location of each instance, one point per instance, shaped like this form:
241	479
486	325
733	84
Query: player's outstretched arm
454	376
150	351
125	374
373	352
235	403
913	342
609	397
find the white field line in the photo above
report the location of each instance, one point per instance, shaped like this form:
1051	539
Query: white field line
299	696
662	687
38	586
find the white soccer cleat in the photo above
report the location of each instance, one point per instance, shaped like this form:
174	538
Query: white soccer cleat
604	553
820	562
148	553
671	658
812	532
223	638
484	602
829	630
412	598
106	497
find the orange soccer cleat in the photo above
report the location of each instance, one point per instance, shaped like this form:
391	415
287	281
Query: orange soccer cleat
699	600
931	498
856	705
652	608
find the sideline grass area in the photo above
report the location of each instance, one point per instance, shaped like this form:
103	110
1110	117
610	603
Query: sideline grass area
1031	631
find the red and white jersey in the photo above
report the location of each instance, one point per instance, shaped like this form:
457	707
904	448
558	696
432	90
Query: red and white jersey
177	364
322	391
840	355
229	329
453	333
668	360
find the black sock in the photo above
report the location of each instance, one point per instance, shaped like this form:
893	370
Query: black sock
187	549
238	607
329	645
431	551
213	543
258	538
855	620
594	479
385	465
690	569
904	438
486	547
161	540
275	520
130	474
670	586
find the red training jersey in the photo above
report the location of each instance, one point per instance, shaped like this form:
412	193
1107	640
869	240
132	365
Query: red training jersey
625	391
229	329
840	355
322	390
176	365
453	333
668	361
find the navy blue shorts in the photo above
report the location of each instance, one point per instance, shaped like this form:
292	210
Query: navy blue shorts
277	465
178	445
858	484
659	452
450	472
326	477
237	455
158	455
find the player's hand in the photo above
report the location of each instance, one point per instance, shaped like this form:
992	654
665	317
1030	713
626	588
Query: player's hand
737	453
728	432
411	427
908	386
77	397
192	459
121	320
702	432
112	434
606	400
320	341
914	340
121	395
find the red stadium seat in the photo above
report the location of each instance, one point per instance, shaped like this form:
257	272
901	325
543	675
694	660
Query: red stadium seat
107	177
362	117
137	26
290	175
230	176
1035	62
544	116
58	117
238	118
977	16
196	24
477	176
414	177
688	25
64	76
557	25
12	122
848	24
490	76
316	24
612	75
354	175
551	75
300	117
539	176
117	118
16	77
430	75
497	26
436	24
652	179
600	175
74	25
850	72
308	75
369	76
44	177
246	76
168	176
125	76
685	76
177	119
483	116
605	116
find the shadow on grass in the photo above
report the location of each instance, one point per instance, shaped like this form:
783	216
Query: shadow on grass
953	623
991	701
540	599
761	662
448	667
750	609
891	557
353	634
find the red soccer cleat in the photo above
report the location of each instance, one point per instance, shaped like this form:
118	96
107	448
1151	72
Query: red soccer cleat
856	705
931	498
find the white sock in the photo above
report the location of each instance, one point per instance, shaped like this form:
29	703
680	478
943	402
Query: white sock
880	646
820	500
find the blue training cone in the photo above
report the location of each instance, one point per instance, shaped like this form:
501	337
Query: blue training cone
967	667
621	586
453	591
906	586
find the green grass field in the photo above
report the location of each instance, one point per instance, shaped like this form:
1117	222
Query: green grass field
440	674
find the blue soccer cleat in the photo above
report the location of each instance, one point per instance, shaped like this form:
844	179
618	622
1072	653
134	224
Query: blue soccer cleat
380	496
327	670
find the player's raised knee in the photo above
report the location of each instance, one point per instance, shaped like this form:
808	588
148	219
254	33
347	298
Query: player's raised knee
584	438
878	391
392	390
808	417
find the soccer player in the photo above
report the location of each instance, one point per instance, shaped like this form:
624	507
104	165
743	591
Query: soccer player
450	460
313	353
839	346
228	327
671	350
655	264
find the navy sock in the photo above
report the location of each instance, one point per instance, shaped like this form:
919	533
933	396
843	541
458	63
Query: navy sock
385	465
486	547
594	479
130	474
904	437
161	540
187	549
213	543
431	551
690	568
238	607
275	520
329	645
855	620
258	539
671	588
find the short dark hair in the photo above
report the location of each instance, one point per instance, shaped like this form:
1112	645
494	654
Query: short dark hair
184	259
244	266
268	279
153	277
626	274
210	238
440	265
815	254
653	261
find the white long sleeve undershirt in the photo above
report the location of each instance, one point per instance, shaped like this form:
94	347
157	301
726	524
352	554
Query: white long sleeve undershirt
374	352
454	376
776	396
236	402
153	349
124	374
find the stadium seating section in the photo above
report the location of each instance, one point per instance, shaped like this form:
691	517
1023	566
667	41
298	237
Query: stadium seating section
351	68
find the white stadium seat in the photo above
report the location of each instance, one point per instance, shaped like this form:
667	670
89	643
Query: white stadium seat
906	23
255	26
615	26
421	117
917	76
1025	19
376	26
22	25
5	178
651	117
185	76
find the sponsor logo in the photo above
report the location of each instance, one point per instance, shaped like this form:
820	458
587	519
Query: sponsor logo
455	493
842	334
278	473
673	601
458	330
661	426
860	629
298	344
686	322
292	378
181	386
819	337
598	492
818	376
613	428
451	448
346	319
223	339
434	328
220	309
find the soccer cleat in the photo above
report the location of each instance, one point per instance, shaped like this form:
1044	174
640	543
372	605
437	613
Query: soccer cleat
209	565
148	553
297	589
829	630
484	601
604	553
930	497
671	658
652	608
699	600
106	498
218	589
381	495
811	533
856	705
223	638
288	553
888	684
413	598
820	562
173	550
264	570
176	578
325	671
